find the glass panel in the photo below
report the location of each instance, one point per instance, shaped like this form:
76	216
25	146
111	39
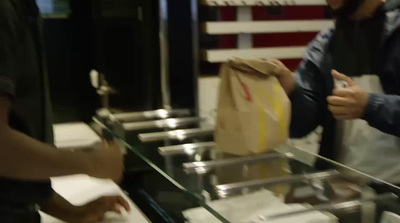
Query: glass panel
169	187
160	197
275	187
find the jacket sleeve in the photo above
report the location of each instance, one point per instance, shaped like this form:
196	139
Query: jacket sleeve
308	99
383	110
8	49
383	113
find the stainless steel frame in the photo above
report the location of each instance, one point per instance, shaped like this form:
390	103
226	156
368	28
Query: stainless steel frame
180	135
226	189
185	149
171	123
207	166
149	115
335	207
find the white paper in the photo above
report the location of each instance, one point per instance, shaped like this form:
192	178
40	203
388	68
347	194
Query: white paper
309	217
235	208
80	189
248	209
75	136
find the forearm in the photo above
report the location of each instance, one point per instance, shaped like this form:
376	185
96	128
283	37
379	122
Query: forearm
22	157
60	208
305	115
307	98
383	113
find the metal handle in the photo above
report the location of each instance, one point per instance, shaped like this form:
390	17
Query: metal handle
334	207
188	149
180	135
226	189
165	123
207	166
147	115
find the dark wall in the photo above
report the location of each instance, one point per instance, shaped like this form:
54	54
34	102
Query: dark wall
127	51
183	80
120	39
107	36
68	48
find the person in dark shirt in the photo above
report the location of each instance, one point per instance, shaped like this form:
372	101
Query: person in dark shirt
27	157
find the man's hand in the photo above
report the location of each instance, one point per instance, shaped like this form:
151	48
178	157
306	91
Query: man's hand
108	163
91	212
94	211
283	74
347	103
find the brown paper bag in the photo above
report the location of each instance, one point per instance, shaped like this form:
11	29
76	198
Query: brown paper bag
253	110
253	117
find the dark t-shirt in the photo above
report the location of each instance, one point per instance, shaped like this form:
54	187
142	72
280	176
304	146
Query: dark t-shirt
23	78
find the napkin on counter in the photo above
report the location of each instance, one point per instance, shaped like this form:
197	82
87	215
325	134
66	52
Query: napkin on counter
307	217
248	208
75	136
234	208
80	189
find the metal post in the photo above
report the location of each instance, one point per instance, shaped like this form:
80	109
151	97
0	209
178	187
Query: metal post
196	52
164	54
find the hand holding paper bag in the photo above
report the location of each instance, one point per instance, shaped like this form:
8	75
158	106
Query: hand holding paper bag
283	74
253	110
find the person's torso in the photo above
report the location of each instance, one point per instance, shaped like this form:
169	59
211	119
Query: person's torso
365	148
367	47
29	113
388	73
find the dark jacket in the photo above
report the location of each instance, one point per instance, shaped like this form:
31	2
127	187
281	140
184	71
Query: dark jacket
315	83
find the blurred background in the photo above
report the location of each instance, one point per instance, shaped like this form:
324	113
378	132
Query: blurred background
166	54
120	38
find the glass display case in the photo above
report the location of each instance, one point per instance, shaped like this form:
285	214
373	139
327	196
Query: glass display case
190	180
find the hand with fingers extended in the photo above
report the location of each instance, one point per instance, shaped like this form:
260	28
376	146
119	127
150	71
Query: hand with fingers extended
95	211
347	103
